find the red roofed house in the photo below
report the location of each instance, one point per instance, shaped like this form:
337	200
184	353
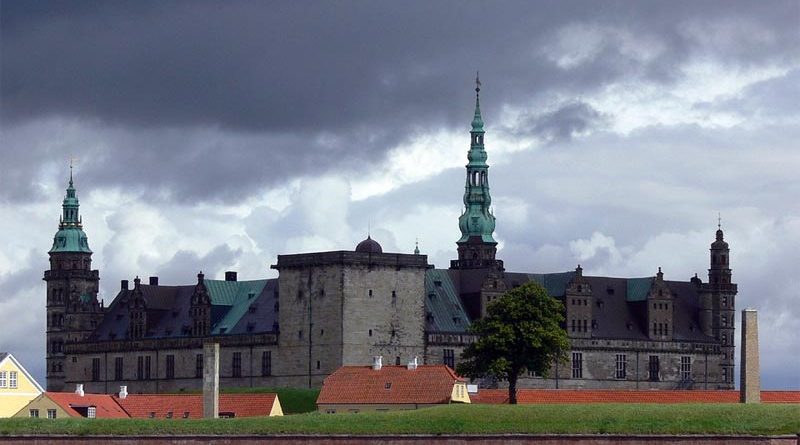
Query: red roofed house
57	405
382	388
190	406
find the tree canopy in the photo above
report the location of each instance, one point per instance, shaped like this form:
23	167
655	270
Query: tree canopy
521	332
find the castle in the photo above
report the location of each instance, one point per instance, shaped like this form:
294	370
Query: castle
329	309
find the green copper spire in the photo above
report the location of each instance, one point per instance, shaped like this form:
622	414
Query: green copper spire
70	236
477	222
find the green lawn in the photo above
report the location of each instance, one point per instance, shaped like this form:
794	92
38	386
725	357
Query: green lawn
727	419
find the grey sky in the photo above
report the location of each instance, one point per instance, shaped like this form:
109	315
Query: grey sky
217	135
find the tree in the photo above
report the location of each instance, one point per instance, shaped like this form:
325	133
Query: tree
521	332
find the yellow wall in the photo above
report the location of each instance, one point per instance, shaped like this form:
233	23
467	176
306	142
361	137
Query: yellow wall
13	399
42	403
276	410
460	394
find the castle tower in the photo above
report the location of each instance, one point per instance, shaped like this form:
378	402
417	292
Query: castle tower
477	246
73	311
720	294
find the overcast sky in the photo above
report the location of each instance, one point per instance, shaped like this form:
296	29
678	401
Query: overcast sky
216	135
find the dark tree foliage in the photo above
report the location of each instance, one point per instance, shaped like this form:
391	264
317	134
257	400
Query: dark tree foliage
521	332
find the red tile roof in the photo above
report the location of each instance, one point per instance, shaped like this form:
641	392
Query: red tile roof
498	396
242	405
105	405
427	384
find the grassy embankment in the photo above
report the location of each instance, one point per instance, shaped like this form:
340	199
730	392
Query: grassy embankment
728	419
293	401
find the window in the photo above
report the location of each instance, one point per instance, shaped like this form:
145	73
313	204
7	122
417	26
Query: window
91	412
370	293
3	379
449	358
573	325
622	366
95	369
577	365
147	367
140	367
725	301
34	413
724	339
237	364
686	368
397	361
266	363
724	376
653	368
12	379
118	367
51	414
198	365
170	366
394	298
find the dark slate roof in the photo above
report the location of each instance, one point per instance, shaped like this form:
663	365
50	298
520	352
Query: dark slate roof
619	303
168	309
444	309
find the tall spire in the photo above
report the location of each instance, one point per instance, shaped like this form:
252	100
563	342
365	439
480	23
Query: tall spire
70	236
477	246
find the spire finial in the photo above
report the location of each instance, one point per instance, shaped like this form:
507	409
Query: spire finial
478	82
719	221
416	246
72	160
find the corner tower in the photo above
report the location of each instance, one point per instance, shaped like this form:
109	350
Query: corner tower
73	311
477	246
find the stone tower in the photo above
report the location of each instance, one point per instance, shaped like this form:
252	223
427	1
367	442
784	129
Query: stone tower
73	311
718	306
477	246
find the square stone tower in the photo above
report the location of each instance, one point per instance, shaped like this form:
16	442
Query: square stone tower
750	384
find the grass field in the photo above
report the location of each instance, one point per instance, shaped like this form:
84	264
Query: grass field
729	419
293	401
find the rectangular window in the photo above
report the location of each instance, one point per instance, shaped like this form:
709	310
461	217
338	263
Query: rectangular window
140	368
147	367
686	368
91	412
449	358
577	365
653	368
12	379
237	364
170	366
51	414
725	375
95	369
622	366
724	320
198	365
34	413
3	379
118	367
266	363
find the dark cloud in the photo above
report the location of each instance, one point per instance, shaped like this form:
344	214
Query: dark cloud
213	100
561	125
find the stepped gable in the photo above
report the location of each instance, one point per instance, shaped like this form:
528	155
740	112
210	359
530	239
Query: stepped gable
235	305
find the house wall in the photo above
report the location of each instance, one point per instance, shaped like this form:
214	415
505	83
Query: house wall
42	403
13	399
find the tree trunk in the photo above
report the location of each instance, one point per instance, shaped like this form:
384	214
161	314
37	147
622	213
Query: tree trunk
512	388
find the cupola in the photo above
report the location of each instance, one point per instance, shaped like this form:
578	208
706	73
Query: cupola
369	245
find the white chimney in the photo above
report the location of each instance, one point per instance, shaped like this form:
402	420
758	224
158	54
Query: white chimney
412	365
123	392
377	362
79	389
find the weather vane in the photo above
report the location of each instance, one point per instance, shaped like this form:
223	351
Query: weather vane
477	81
719	220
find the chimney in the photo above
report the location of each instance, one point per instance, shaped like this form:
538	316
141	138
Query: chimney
123	392
230	276
210	380
750	378
123	285
154	281
412	365
377	362
79	389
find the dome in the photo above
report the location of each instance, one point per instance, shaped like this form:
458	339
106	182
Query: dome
369	245
70	239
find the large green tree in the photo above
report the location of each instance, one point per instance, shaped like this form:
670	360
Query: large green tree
521	332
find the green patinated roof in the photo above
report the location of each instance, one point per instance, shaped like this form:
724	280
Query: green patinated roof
70	239
554	283
443	302
638	288
238	295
